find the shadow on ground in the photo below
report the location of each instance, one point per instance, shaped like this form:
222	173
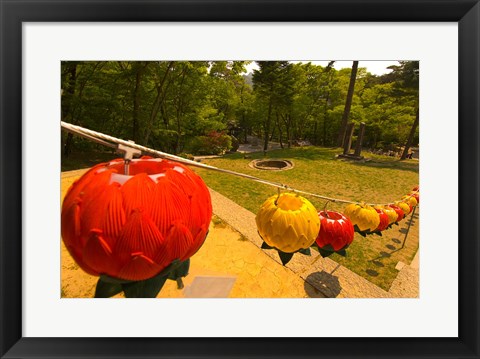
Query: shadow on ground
398	245
406	165
324	285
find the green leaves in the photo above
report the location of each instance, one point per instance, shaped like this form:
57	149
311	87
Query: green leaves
266	246
137	99
325	253
144	289
108	287
285	257
305	251
328	250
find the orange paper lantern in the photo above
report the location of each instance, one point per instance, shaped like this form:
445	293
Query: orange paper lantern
133	226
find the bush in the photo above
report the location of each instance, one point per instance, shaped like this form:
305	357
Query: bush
215	143
235	144
188	156
164	140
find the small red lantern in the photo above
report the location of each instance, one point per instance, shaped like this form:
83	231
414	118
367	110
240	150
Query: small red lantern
384	221
131	227
416	196
399	211
336	231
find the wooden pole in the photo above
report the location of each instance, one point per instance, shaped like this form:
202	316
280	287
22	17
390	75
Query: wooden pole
347	143
358	146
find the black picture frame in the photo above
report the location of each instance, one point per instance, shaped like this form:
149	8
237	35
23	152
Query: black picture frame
15	12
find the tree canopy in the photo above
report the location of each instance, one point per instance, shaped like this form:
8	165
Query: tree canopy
180	106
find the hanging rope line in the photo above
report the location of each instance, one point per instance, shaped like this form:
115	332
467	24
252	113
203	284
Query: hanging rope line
109	141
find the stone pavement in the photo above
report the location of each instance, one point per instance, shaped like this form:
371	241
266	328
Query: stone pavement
255	144
406	285
232	262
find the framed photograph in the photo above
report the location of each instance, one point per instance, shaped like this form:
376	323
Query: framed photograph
42	317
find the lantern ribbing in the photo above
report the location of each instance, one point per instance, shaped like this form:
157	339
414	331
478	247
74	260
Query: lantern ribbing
105	140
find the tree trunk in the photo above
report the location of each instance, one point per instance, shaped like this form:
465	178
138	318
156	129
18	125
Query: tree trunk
347	142
245	129
67	107
267	125
158	102
410	136
288	125
273	132
348	105
325	118
179	103
136	100
359	144
279	131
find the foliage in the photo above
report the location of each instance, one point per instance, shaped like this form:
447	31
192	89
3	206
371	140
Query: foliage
235	144
165	104
215	143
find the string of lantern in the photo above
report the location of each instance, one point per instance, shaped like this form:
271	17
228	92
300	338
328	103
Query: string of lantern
138	227
123	145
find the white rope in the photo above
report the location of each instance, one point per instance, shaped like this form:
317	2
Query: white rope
101	138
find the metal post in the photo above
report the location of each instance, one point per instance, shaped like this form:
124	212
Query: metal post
409	225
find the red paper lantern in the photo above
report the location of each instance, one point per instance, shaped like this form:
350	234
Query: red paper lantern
416	193
399	211
133	226
384	221
416	196
336	231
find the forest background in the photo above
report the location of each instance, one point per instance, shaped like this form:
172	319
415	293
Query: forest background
210	107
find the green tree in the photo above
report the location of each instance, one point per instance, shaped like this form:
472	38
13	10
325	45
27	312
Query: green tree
273	85
407	75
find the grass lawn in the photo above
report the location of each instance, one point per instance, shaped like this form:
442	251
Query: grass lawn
381	180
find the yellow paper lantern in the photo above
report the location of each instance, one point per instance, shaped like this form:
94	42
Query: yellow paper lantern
404	206
410	200
288	222
390	212
363	216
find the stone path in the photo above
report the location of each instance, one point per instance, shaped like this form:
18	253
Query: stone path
256	145
406	285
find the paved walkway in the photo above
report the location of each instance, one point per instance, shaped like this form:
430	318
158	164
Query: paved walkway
406	285
255	144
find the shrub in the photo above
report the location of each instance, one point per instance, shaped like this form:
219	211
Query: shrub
188	156
164	140
215	143
235	144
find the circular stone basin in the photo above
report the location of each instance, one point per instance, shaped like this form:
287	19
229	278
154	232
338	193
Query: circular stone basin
272	165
